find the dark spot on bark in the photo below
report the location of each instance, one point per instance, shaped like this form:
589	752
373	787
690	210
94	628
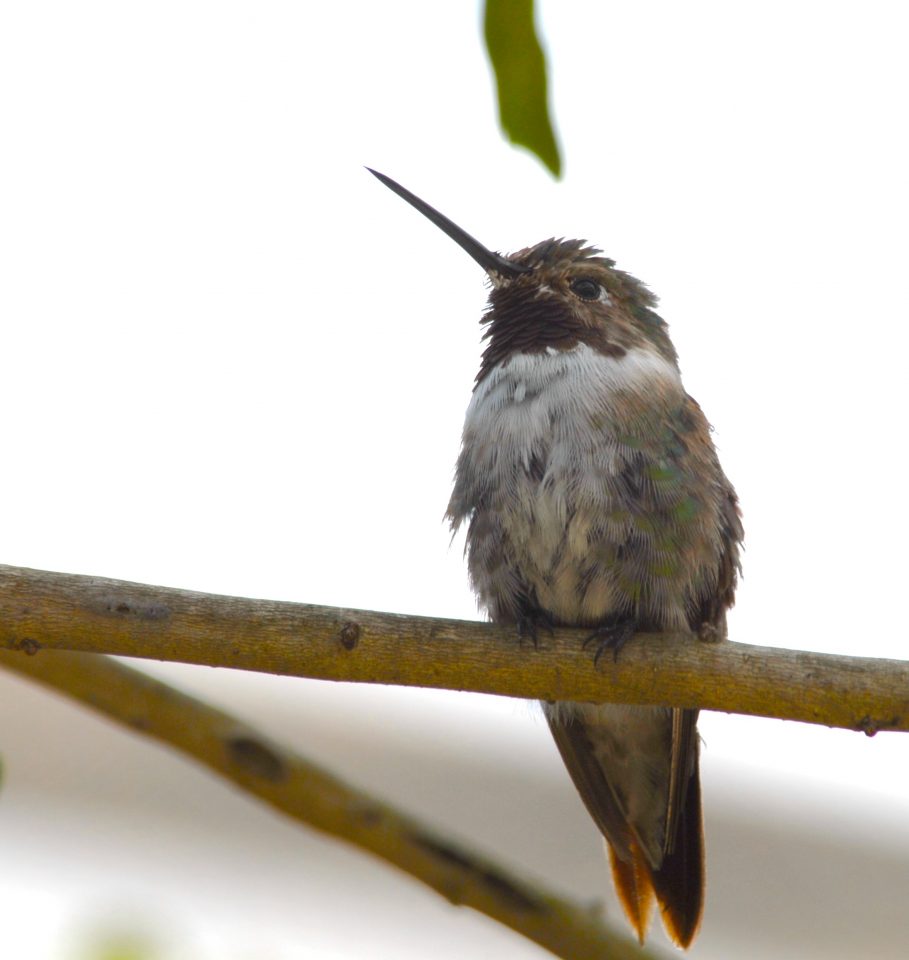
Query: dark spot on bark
369	816
143	611
870	727
255	758
502	887
349	635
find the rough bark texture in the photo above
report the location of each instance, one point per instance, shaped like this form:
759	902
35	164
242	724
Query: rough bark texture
55	611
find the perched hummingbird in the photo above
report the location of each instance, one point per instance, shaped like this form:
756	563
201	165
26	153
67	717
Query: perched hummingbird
594	498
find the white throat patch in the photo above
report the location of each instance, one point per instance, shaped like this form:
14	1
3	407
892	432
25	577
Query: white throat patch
570	381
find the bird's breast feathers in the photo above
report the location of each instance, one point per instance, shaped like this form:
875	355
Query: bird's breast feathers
575	476
526	397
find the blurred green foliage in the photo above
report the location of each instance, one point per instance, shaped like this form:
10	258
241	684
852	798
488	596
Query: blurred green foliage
519	65
118	945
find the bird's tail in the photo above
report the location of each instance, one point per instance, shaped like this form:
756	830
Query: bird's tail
677	886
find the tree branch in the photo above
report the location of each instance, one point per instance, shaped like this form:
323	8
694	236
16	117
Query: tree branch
42	610
307	793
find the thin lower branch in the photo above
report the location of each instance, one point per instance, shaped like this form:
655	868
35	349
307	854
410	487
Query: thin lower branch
309	794
42	610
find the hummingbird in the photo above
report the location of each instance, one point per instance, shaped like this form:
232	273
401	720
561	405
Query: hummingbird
593	497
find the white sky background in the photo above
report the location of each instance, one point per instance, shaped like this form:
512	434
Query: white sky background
234	362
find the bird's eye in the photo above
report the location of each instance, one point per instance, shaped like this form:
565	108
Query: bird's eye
586	289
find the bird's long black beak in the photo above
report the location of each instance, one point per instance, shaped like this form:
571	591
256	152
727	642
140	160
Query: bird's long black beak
491	262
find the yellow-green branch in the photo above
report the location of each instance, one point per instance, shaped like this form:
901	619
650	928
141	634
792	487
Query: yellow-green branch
310	795
41	610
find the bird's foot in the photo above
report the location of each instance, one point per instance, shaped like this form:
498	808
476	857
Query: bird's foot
612	637
710	633
530	624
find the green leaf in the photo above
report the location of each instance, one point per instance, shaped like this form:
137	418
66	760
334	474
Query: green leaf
520	71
